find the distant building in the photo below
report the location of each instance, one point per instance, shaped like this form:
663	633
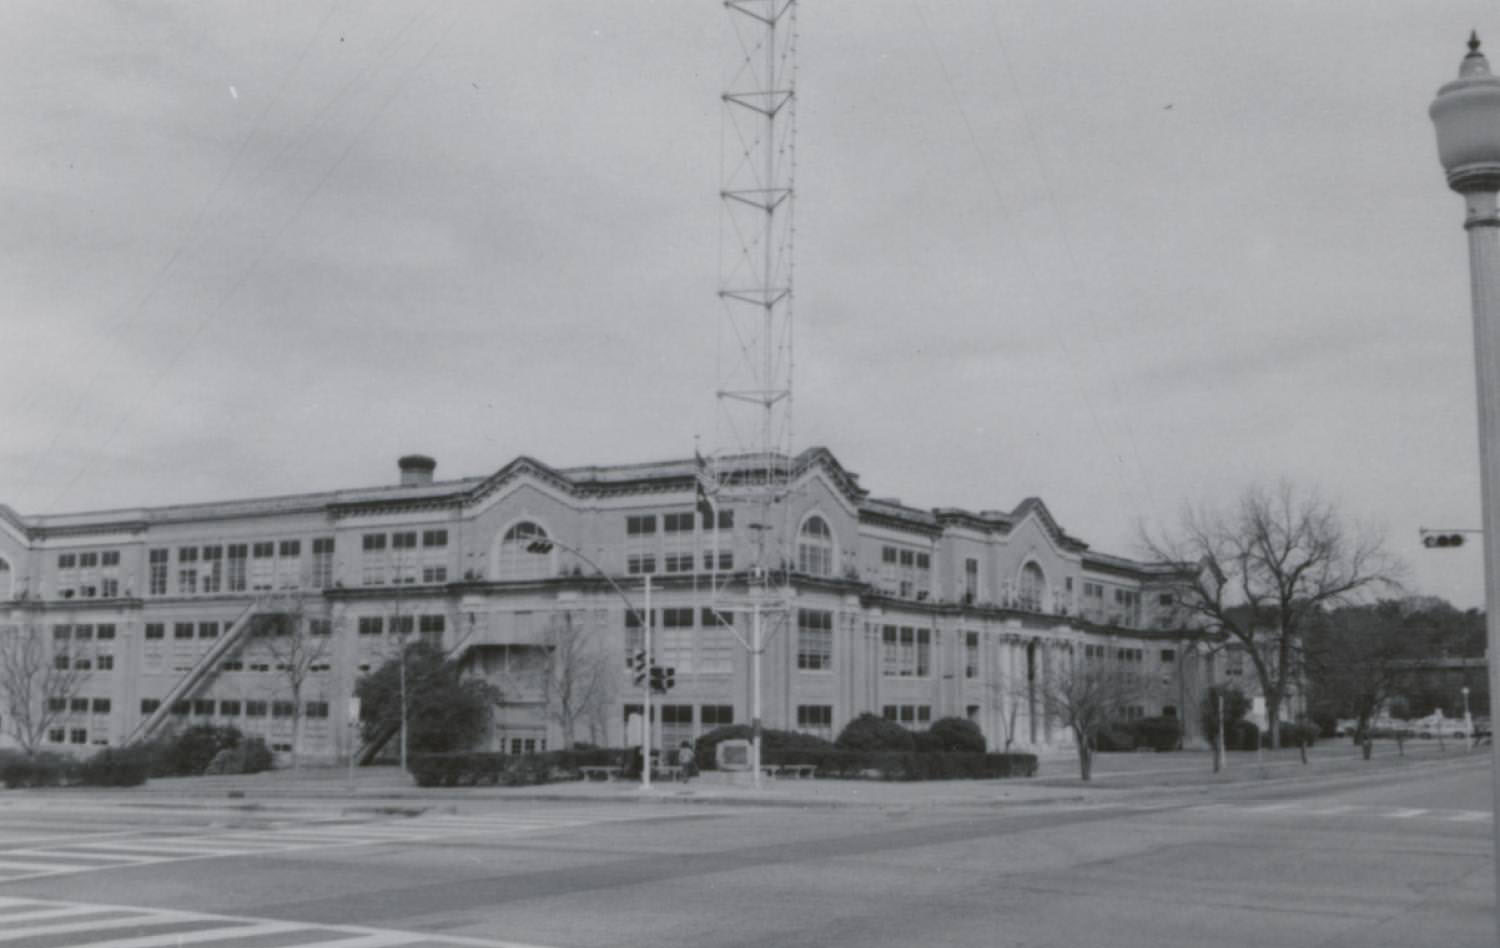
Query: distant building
912	613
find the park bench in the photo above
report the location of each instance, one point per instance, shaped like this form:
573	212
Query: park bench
800	771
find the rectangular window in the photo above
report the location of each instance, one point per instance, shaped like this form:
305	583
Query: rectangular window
182	630
434	556
971	654
83	633
816	719
156	630
1169	655
79	705
319	627
104	663
316	710
814	639
237	554
78	735
57	704
255	709
717	643
208	630
431	630
262	565
149	705
55	735
101	706
229	708
675	647
677	522
716	715
106	631
726	521
283	709
404	568
971	581
640	565
372	560
203	707
157	581
909	715
187	570
678	563
322	562
289	564
62	633
371	625
726	561
906	652
211	575
641	526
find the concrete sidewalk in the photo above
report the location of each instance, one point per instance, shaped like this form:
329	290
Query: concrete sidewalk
1118	778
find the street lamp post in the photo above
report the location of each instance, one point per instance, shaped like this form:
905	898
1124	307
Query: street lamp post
1466	114
543	545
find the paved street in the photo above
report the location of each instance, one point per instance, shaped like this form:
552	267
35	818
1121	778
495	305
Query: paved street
1391	857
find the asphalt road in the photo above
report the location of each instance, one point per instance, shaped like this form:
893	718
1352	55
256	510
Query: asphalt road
1403	861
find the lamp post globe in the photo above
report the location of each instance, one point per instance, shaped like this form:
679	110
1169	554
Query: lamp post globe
1466	115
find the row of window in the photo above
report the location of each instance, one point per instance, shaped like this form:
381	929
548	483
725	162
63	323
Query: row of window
233	708
79	705
644	525
102	661
237	567
642	564
415	556
89	575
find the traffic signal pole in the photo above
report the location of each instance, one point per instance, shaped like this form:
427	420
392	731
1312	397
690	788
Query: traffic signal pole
646	720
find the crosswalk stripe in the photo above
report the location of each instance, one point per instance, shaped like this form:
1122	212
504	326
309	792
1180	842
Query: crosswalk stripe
1470	816
1331	810
154	849
199	937
31	866
1271	807
38	914
102	858
1406	814
51	928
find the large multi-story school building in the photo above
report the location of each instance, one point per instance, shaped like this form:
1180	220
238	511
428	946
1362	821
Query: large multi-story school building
915	614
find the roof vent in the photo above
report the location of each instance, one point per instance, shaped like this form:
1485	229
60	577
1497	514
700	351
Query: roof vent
416	470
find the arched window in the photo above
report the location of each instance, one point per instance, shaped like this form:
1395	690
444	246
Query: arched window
514	561
1033	583
815	547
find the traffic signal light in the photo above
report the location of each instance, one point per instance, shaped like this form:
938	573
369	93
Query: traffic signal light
637	664
662	678
1433	540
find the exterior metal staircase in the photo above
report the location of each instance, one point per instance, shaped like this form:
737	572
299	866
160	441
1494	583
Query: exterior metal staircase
201	671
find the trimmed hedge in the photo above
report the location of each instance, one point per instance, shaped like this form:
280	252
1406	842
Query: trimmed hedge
250	757
1159	733
470	768
706	749
871	732
114	767
466	769
910	765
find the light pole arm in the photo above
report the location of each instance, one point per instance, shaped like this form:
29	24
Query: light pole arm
599	571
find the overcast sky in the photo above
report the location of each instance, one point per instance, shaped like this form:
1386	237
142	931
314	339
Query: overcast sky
1121	256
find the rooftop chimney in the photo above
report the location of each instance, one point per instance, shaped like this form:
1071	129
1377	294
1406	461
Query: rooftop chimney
416	470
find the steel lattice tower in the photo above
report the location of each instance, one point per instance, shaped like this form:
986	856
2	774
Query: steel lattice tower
753	450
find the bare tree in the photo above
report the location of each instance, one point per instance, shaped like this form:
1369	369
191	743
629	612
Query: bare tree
1085	696
1358	661
38	682
297	645
1256	574
1008	695
579	678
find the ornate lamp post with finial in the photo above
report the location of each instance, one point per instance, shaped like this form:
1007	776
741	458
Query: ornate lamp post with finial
1467	115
